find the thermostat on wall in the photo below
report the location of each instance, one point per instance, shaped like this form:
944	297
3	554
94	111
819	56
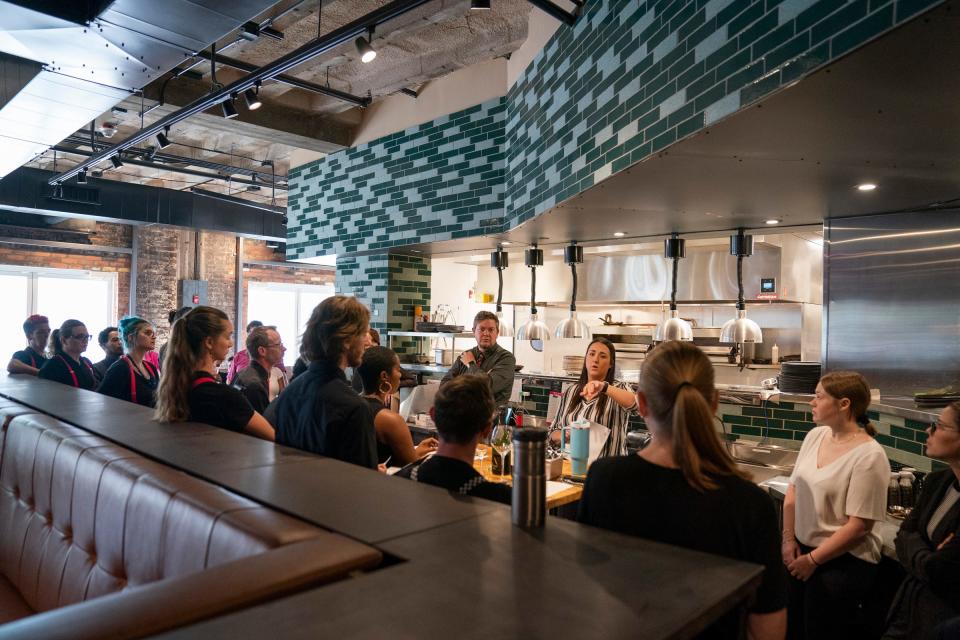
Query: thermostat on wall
768	285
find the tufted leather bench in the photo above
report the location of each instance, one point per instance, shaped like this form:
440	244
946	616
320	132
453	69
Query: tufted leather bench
97	541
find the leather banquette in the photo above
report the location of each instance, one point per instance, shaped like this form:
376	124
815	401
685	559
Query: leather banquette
97	541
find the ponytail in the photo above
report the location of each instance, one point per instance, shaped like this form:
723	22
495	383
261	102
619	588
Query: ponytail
677	381
184	351
55	345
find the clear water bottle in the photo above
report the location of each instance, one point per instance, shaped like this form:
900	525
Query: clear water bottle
893	490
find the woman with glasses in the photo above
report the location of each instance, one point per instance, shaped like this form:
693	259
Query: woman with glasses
837	492
67	364
132	377
928	544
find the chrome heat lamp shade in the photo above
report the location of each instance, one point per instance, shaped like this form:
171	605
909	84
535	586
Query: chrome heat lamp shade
534	328
676	328
500	260
573	327
741	330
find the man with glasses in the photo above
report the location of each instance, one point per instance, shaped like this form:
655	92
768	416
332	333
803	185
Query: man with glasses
487	358
266	352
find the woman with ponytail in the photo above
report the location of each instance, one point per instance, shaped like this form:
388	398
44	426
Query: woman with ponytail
189	390
66	365
837	492
132	377
685	489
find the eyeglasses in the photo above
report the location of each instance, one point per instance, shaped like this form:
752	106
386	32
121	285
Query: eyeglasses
80	336
942	426
276	344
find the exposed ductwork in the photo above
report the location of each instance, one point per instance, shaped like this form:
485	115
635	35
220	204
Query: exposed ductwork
26	191
69	68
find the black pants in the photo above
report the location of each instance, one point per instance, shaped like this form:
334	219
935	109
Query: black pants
830	603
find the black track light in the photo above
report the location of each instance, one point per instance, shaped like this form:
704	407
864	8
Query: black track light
162	140
367	54
229	111
116	161
82	177
480	5
252	99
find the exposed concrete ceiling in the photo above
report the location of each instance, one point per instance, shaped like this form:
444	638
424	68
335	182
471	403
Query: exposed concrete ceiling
428	43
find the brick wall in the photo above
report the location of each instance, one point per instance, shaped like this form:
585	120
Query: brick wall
158	261
104	234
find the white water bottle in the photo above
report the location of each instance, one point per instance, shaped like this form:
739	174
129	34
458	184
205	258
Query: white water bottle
775	354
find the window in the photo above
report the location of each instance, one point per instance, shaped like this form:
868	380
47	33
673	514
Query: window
59	294
288	306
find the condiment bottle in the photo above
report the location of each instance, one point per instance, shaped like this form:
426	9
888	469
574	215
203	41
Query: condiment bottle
775	354
893	490
906	489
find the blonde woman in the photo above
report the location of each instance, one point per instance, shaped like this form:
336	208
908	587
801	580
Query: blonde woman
189	390
685	489
837	492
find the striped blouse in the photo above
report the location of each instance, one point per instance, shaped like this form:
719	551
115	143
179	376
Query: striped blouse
614	416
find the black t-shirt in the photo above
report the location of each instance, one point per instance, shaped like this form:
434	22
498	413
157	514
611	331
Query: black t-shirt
218	404
736	520
116	382
456	476
30	357
320	413
384	452
100	368
65	370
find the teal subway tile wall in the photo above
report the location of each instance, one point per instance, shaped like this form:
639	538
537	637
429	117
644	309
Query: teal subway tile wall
631	78
628	80
440	180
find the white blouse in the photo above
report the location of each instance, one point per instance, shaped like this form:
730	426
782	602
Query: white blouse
855	484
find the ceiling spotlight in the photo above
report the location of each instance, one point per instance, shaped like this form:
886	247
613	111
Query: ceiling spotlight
619	234
229	111
162	140
367	54
506	243
82	177
772	221
116	161
252	99
866	186
480	5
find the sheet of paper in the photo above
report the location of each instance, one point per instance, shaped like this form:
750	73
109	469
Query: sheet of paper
598	438
554	488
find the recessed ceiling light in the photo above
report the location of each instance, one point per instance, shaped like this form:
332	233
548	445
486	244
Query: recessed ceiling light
619	234
506	243
772	221
866	186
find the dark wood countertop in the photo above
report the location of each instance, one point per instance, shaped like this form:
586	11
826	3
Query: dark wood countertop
462	568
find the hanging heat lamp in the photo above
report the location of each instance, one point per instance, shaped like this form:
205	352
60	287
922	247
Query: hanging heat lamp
534	328
499	260
741	330
676	328
573	327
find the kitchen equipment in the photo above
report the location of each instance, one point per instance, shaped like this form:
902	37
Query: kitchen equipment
676	328
529	500
741	330
534	329
573	327
443	357
799	377
572	365
500	260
